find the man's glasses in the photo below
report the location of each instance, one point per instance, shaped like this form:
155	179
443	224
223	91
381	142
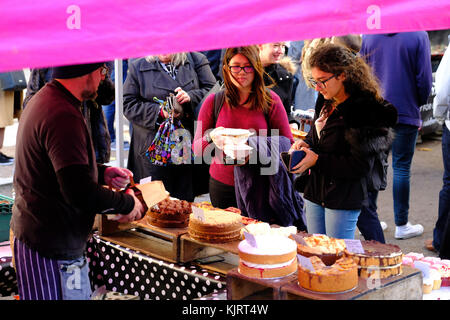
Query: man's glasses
320	83
104	71
237	69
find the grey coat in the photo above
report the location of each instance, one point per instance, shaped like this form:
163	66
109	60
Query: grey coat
147	80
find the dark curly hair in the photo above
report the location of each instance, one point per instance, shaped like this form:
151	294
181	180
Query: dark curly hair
336	59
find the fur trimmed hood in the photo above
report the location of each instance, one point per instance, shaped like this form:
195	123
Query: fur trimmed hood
289	64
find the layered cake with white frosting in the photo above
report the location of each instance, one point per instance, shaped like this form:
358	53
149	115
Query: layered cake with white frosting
267	256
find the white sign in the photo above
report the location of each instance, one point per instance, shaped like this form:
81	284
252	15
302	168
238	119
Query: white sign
424	267
250	239
145	180
354	245
199	214
305	262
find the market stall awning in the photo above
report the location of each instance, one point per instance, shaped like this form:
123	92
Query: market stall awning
47	32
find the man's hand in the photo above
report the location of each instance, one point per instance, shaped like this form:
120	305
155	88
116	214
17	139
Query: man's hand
117	178
137	213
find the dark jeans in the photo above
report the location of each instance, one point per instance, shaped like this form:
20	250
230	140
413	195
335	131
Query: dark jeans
222	195
444	194
368	221
402	153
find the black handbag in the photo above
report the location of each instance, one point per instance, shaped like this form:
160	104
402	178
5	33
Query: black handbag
13	81
301	181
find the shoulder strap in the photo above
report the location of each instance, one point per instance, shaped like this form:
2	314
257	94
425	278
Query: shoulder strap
219	99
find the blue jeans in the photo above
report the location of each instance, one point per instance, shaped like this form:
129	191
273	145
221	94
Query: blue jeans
368	221
402	153
110	110
444	194
75	283
332	222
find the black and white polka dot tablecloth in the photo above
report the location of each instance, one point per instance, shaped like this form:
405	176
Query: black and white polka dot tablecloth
8	282
131	272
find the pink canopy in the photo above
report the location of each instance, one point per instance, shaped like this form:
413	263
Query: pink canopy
42	33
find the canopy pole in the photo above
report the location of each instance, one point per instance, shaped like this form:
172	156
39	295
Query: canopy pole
118	81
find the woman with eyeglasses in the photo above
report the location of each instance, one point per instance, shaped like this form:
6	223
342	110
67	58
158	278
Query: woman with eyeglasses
248	104
352	125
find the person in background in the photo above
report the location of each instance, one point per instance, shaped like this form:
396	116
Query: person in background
303	97
91	109
59	188
441	111
189	77
279	73
368	220
349	128
248	104
215	58
109	110
402	63
7	102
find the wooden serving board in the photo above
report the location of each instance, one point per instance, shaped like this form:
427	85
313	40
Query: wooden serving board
162	243
406	286
192	249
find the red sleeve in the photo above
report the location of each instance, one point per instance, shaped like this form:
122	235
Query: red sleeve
278	118
205	123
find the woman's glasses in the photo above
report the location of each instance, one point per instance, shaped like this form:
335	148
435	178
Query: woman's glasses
320	83
237	69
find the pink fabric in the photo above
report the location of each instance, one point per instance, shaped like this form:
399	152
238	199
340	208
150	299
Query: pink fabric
47	32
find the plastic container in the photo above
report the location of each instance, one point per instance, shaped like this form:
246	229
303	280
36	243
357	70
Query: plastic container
6	204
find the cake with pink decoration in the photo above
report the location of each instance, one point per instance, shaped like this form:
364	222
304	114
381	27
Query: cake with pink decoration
268	256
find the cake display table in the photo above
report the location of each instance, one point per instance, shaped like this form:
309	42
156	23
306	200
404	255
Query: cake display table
407	286
8	282
122	269
162	243
222	256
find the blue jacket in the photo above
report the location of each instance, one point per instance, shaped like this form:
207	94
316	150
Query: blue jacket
402	62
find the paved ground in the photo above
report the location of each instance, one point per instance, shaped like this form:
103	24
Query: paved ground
426	182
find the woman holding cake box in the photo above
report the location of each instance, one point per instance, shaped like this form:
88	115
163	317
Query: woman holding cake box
248	104
351	126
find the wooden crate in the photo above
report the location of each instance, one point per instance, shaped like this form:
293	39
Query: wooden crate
407	286
162	243
240	287
192	250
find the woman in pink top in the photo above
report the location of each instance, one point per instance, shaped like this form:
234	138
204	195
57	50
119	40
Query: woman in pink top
248	104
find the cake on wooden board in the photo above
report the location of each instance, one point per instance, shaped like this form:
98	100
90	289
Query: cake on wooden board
326	248
273	256
170	213
216	226
340	276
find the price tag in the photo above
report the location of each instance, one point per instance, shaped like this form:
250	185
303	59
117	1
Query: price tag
424	267
299	239
199	214
354	245
305	262
145	180
250	239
